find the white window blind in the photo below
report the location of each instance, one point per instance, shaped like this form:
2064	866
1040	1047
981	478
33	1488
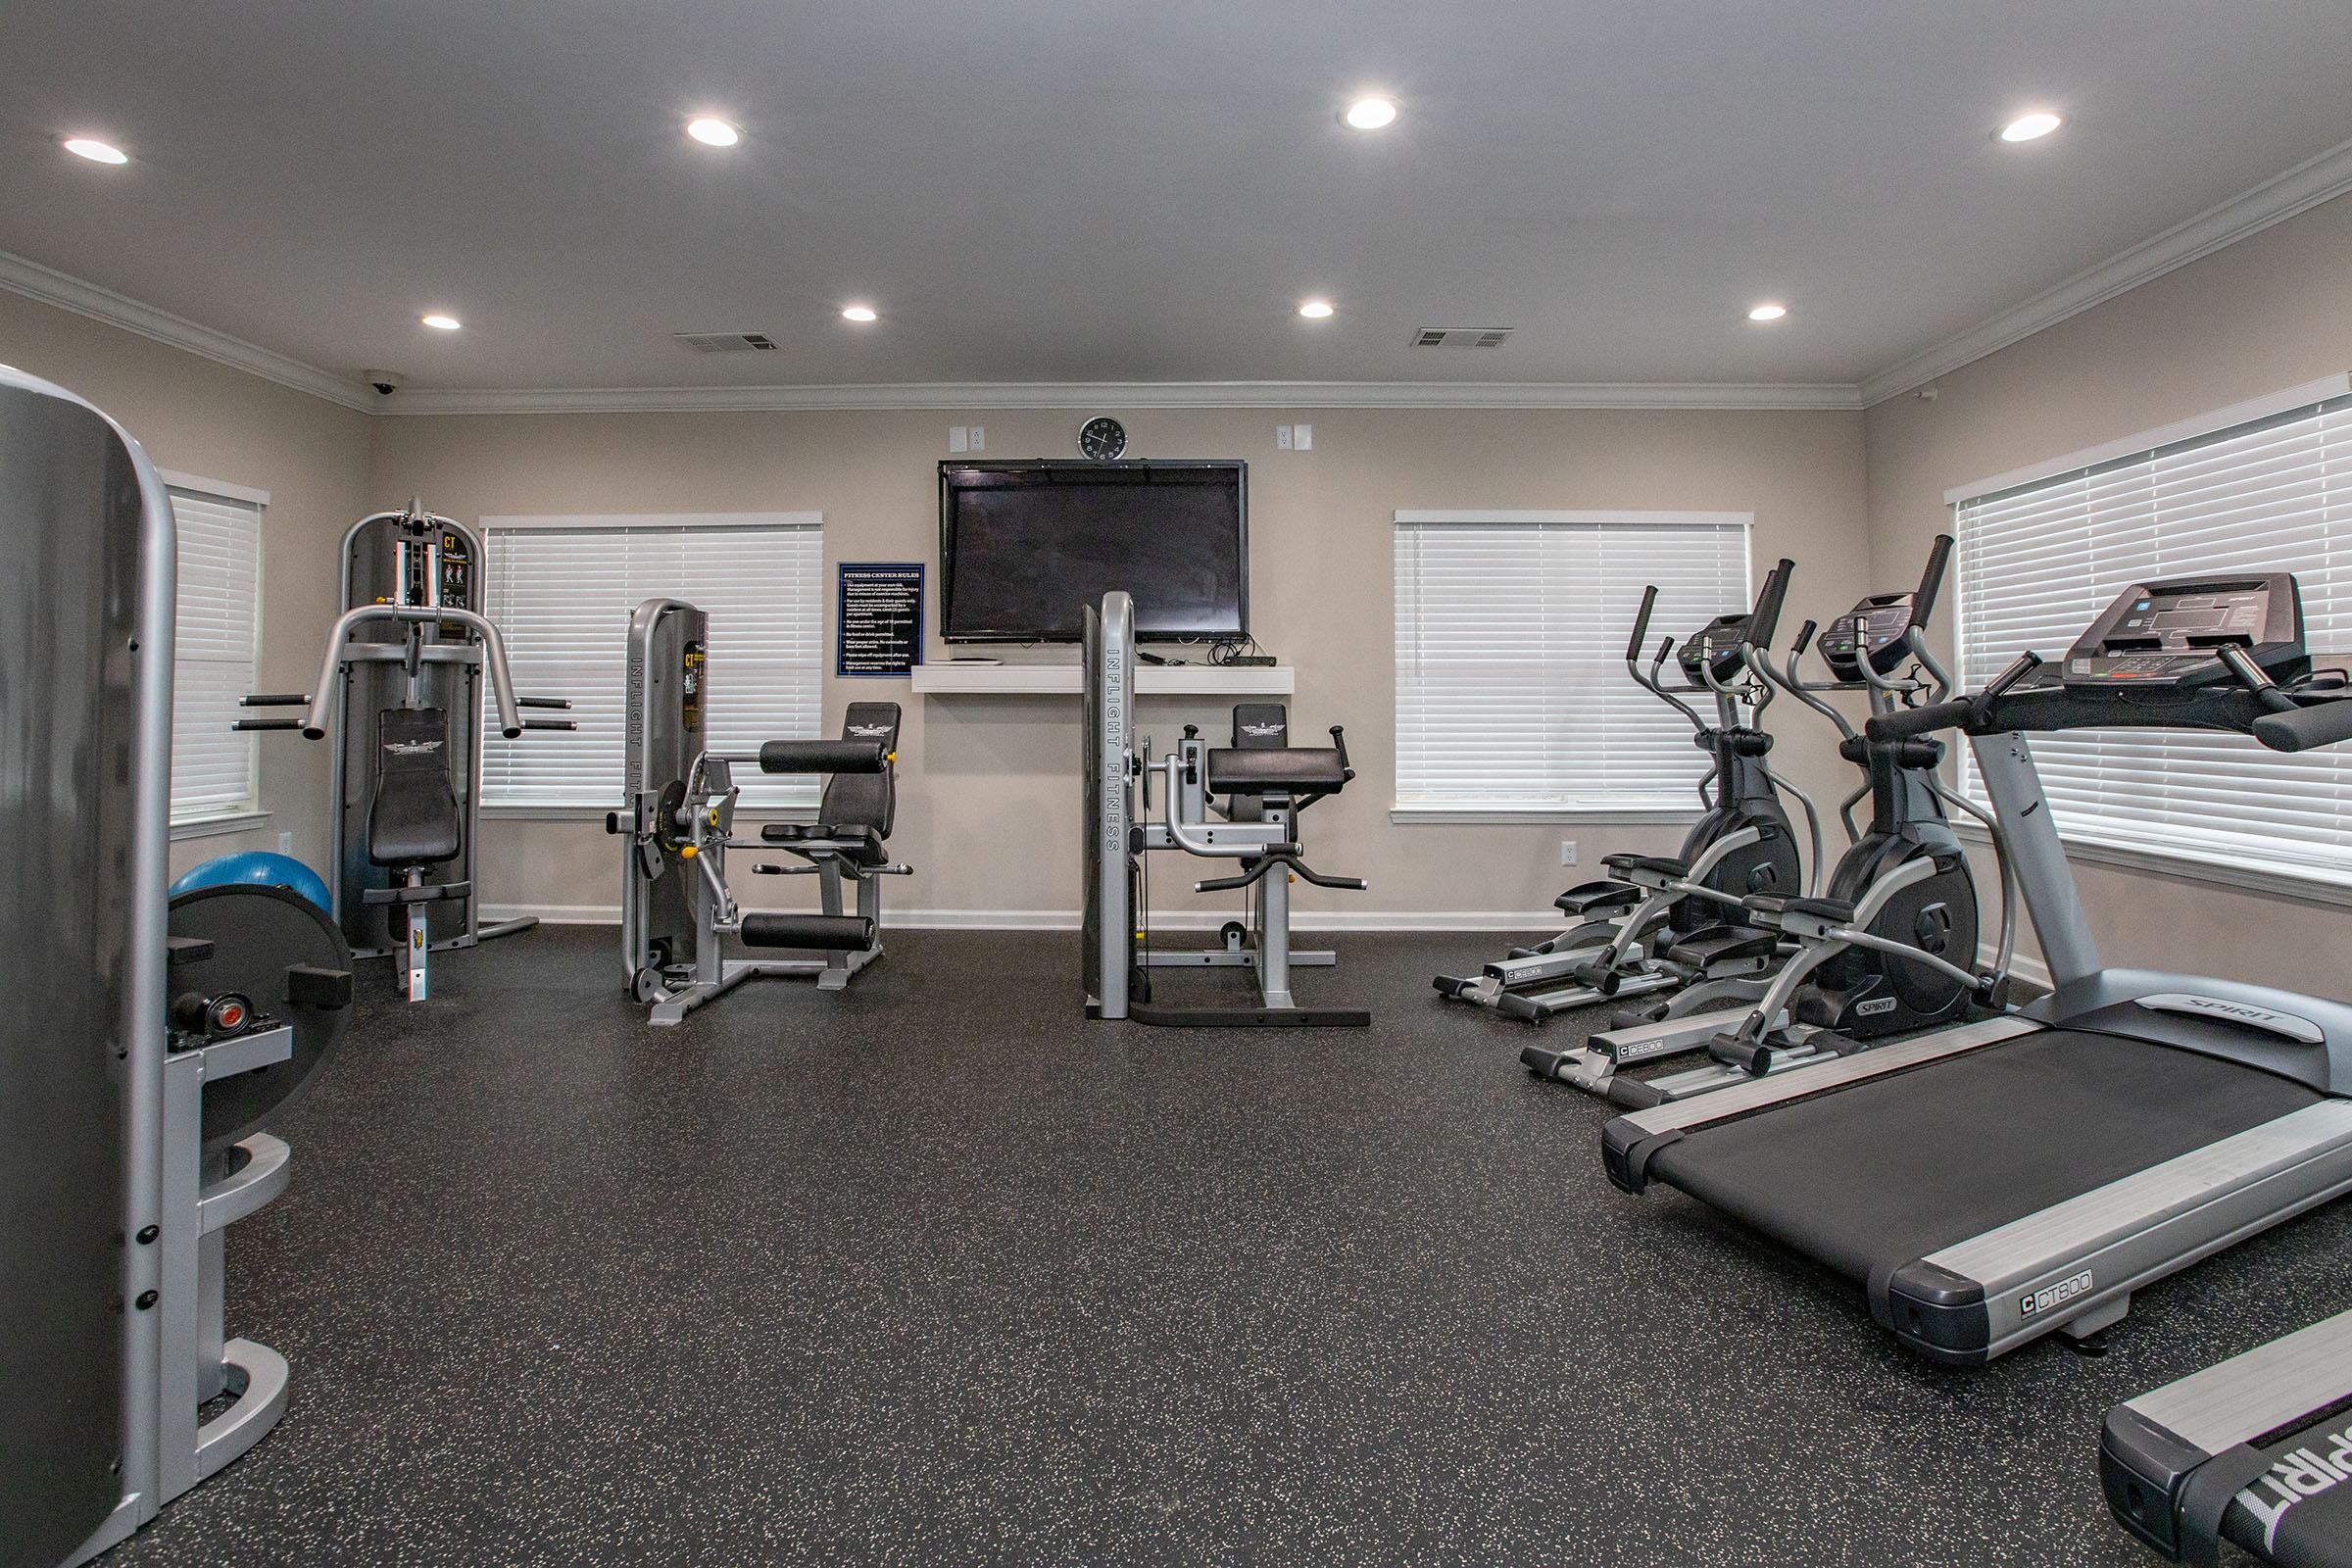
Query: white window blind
1511	690
213	649
2039	562
561	591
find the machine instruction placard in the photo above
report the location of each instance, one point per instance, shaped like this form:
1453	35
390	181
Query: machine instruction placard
881	619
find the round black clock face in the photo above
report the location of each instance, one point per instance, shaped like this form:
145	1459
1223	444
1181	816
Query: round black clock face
1101	438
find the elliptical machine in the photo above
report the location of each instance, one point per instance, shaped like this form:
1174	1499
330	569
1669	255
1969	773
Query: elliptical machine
1890	945
1664	922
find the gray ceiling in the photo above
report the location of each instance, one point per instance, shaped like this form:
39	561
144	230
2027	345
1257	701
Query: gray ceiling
1045	190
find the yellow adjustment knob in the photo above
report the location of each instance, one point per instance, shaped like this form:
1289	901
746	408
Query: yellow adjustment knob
688	852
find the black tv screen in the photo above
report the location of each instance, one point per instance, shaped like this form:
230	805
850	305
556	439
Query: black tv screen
1024	547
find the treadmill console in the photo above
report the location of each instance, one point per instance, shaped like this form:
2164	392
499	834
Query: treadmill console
1714	648
2166	633
1873	629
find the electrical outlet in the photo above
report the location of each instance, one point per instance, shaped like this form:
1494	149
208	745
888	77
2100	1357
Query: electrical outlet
1567	851
1302	437
959	440
1282	438
285	844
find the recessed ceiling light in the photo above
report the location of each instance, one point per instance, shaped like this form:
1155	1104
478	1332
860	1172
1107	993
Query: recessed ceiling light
2030	127
1767	312
442	324
1371	113
1315	310
860	312
713	132
97	152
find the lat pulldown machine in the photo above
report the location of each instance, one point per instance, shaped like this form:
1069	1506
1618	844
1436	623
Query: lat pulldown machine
677	910
1260	784
399	687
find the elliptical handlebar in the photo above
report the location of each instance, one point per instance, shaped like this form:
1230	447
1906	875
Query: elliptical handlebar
1633	644
1931	582
1764	620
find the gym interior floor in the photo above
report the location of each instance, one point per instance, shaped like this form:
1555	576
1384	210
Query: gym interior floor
936	1272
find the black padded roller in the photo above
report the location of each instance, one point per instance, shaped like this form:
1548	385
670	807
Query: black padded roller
826	933
281	950
822	756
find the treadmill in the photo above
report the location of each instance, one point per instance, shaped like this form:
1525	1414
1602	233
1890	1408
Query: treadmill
2254	1452
1992	1182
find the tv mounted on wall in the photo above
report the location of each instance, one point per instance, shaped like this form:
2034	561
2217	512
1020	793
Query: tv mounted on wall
1025	546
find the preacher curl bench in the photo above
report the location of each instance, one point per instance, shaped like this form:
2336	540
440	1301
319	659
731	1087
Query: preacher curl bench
681	816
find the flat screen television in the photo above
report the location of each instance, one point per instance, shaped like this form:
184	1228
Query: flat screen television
1025	546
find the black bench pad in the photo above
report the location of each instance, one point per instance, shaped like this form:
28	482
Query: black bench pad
1275	770
826	933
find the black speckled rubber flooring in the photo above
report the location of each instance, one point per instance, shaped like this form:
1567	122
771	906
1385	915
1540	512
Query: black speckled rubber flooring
933	1272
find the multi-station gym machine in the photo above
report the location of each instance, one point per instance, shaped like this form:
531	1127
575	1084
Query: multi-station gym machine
168	1034
400	689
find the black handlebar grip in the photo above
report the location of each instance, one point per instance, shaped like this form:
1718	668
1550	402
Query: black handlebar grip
275	700
1765	620
2327	723
542	702
550	723
267	724
1931	581
1633	644
1907	722
1805	637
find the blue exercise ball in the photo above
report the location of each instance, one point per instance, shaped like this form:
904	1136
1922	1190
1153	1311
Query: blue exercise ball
259	869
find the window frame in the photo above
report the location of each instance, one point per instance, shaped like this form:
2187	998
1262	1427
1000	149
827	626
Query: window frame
1630	812
2143	850
248	813
714	522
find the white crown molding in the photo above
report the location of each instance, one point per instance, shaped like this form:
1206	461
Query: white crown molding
52	287
2298	190
1074	395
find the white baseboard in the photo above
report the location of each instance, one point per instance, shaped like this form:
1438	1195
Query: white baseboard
1067	919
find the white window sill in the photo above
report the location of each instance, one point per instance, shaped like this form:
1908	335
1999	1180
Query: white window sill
206	827
1679	816
2308	884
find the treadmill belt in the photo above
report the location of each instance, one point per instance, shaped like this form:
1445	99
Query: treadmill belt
1894	1169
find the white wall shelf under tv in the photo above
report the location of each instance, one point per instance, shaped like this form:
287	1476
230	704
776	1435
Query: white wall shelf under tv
946	679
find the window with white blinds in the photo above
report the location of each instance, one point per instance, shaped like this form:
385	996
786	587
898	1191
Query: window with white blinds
2039	561
561	591
218	631
1511	689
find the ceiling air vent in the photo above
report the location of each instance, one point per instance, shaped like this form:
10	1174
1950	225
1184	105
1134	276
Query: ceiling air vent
724	342
1460	337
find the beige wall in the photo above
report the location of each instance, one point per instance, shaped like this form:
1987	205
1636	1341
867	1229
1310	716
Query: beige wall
201	418
2269	313
988	804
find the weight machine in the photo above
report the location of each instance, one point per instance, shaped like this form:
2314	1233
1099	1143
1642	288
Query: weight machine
1265	783
169	1038
408	775
677	910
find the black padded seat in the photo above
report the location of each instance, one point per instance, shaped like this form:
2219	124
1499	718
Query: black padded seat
412	812
1664	866
1275	770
